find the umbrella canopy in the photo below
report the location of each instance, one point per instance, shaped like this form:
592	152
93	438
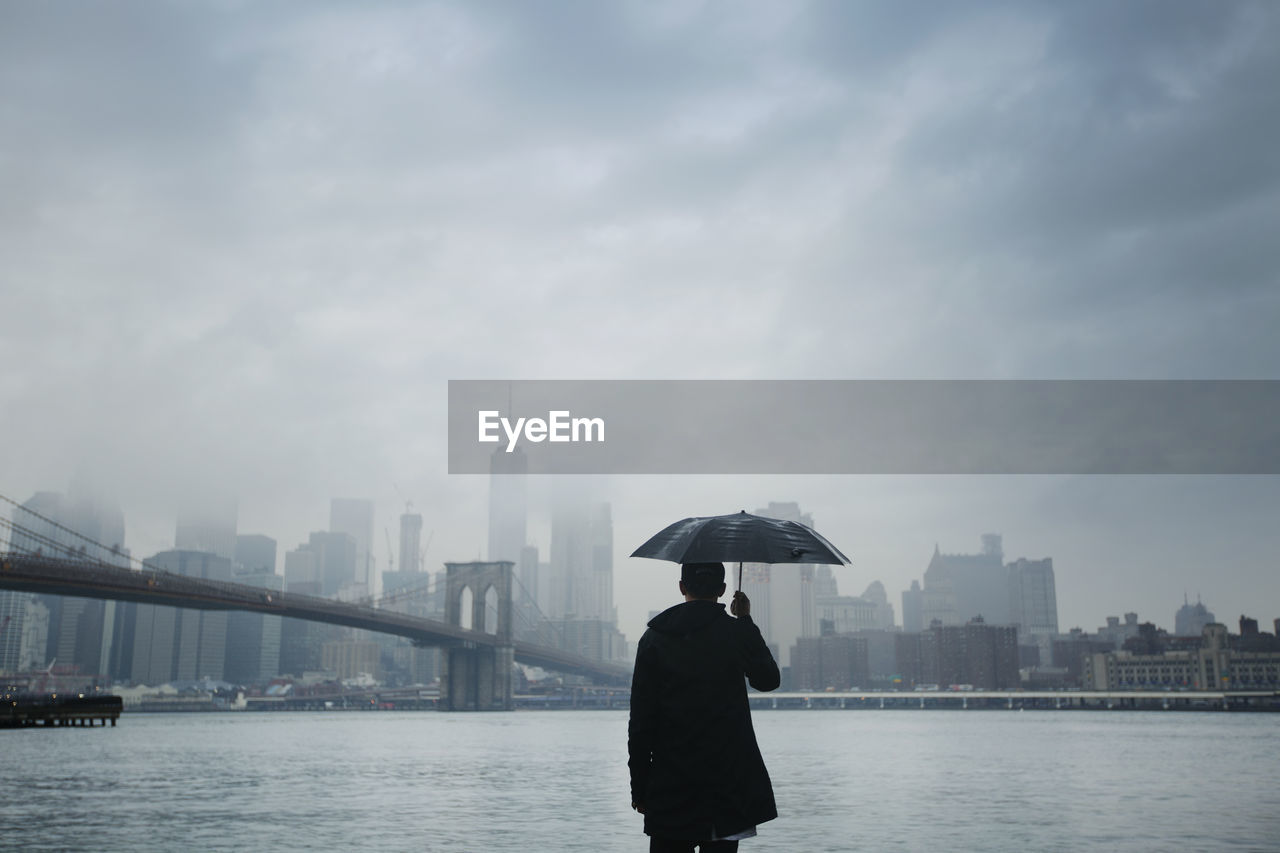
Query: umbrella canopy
740	538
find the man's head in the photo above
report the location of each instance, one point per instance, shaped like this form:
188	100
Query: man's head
702	580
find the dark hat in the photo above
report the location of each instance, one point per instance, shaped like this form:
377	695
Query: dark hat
702	571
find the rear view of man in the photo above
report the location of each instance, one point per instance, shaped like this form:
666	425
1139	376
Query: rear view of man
696	771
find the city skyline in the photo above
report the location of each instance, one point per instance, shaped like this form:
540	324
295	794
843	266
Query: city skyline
849	579
247	247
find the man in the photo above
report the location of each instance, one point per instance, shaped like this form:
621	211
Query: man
696	771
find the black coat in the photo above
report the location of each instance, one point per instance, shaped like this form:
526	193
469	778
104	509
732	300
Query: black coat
695	765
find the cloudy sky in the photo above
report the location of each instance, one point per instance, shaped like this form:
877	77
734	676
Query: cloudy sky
244	246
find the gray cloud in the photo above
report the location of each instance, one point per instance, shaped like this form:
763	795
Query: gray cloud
244	246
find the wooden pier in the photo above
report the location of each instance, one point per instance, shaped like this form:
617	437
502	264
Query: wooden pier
54	709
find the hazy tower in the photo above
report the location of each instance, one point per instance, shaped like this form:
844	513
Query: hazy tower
508	513
354	517
410	543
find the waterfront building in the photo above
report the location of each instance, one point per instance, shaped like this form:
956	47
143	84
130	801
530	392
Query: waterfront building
831	662
351	659
1071	650
1213	666
13	623
976	653
908	653
881	655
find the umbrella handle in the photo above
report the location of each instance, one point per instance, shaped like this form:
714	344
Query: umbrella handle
739	577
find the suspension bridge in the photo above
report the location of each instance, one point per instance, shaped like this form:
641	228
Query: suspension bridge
480	636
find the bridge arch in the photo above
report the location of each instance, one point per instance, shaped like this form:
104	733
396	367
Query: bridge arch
489	602
478	676
466	608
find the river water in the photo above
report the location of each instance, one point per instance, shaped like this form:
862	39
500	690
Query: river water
556	781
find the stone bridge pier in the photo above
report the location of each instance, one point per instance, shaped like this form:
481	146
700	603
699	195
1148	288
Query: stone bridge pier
477	675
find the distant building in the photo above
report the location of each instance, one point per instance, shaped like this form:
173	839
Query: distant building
908	650
913	609
1191	619
960	587
593	638
302	571
350	659
985	656
1033	604
256	552
783	597
846	613
354	517
181	644
580	574
335	559
1116	633
210	528
77	631
410	543
831	662
508	510
1070	651
253	639
881	655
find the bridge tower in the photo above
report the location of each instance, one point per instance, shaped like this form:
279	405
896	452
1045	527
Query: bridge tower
477	676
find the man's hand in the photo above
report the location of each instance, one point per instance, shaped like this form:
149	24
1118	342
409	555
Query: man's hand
741	605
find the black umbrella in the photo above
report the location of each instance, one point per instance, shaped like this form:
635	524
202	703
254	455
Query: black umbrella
740	538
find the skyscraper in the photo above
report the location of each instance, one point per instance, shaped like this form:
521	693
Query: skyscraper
210	528
1190	619
336	566
77	631
410	543
580	576
354	517
913	608
180	644
508	512
960	587
783	599
253	639
1033	604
